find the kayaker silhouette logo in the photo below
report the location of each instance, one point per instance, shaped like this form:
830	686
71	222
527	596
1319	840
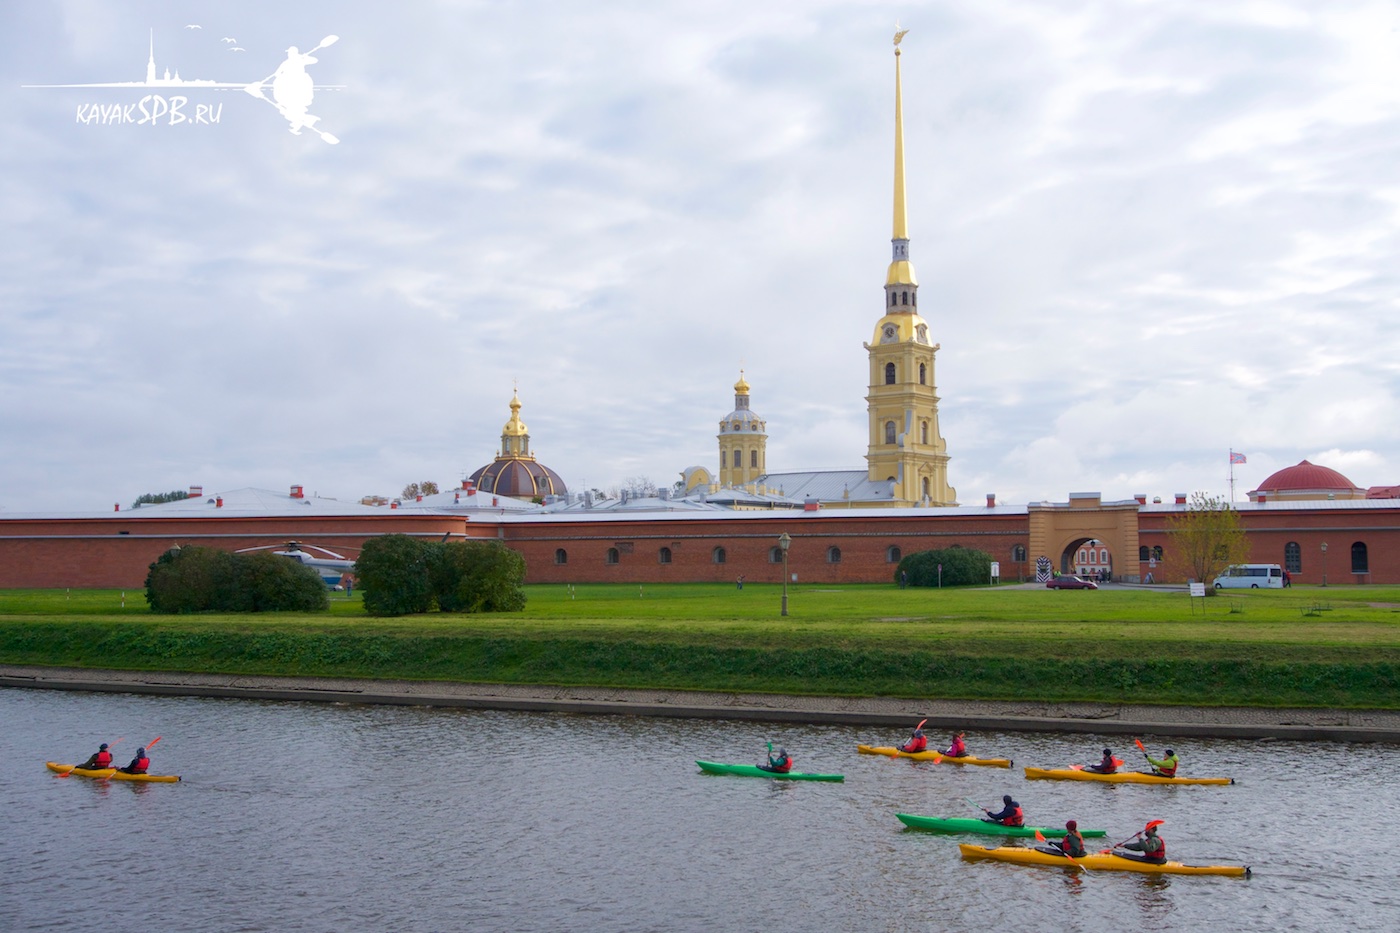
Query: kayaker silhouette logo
177	101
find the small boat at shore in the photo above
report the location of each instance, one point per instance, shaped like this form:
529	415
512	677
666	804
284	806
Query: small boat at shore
715	767
1117	777
1097	861
892	752
958	824
110	774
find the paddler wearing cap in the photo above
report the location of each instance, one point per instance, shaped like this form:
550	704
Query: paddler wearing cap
1150	844
1073	843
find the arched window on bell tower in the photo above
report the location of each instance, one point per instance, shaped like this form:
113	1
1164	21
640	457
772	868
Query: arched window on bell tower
889	374
889	432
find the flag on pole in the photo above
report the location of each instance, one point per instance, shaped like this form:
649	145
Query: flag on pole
1237	458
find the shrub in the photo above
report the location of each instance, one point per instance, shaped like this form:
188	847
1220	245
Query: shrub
961	567
266	582
478	576
200	579
393	573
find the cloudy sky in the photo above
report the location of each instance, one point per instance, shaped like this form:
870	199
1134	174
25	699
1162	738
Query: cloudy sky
1146	233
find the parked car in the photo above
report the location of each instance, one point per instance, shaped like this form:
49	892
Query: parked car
1068	581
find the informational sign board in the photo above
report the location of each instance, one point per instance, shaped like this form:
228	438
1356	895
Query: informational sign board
1198	589
996	570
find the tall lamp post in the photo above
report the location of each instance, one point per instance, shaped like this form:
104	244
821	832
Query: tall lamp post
1324	563
784	542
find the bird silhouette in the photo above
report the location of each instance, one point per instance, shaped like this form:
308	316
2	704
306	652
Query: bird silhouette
230	39
193	26
237	49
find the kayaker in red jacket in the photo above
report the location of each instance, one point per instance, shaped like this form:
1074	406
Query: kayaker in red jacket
1151	846
1010	814
918	742
781	764
1109	764
958	749
1073	843
139	764
99	759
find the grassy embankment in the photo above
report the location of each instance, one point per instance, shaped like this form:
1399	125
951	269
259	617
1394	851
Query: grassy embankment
1333	647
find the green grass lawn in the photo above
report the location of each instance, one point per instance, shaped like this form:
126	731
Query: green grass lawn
1334	646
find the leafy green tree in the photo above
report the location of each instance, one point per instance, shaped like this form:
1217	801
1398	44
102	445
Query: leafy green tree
1205	539
155	498
393	573
478	576
961	567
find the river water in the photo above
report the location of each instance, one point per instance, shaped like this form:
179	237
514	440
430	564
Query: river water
296	816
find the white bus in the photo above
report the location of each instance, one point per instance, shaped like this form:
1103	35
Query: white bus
1250	577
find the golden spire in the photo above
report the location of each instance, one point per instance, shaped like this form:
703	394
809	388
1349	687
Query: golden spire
901	270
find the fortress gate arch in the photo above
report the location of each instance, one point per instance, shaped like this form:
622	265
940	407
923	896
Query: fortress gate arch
1057	529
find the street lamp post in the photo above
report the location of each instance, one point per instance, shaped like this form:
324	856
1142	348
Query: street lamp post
1324	563
784	542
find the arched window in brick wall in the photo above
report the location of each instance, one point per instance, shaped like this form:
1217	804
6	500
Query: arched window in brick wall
1293	557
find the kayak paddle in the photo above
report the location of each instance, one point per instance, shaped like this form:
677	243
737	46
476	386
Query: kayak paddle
1076	864
978	806
1141	748
1119	845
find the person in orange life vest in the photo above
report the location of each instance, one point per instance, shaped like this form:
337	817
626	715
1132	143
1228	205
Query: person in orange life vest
1108	766
139	764
100	759
958	749
1166	767
917	742
1010	814
781	764
1151	846
1073	843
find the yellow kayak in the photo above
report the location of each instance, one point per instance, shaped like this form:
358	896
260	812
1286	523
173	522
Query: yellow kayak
893	752
113	774
1118	777
1098	861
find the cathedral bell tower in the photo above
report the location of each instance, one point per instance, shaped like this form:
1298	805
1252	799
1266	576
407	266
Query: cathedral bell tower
905	444
743	442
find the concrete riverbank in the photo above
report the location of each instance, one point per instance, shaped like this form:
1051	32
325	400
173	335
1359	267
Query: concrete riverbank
1023	715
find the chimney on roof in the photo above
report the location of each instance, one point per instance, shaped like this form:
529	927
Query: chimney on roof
420	498
394	504
195	492
811	504
495	501
219	502
991	500
297	493
116	506
1181	498
1141	498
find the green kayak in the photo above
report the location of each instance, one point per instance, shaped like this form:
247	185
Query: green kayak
957	824
713	767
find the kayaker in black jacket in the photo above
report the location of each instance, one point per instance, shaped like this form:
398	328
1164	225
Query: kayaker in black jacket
1108	766
1010	814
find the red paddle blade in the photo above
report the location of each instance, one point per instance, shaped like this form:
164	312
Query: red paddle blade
1076	767
921	724
1039	837
1138	743
152	742
1155	823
